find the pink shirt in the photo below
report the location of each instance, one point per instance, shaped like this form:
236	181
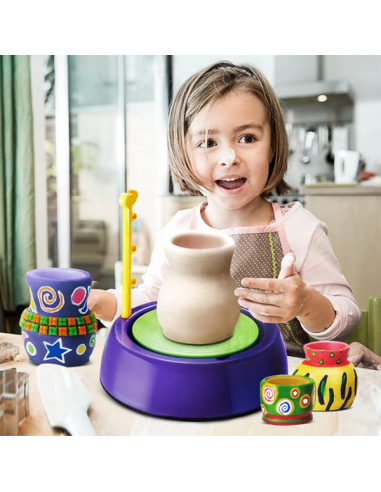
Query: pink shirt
316	263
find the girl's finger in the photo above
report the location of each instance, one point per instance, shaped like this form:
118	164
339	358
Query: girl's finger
287	266
257	312
355	359
260	297
262	309
264	284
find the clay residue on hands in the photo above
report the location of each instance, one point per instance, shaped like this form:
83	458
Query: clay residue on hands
361	356
287	266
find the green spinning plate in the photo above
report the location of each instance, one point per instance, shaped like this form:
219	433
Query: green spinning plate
149	334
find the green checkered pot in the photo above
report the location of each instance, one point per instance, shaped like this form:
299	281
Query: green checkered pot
287	400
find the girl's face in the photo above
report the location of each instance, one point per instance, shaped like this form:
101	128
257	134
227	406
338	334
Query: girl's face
238	122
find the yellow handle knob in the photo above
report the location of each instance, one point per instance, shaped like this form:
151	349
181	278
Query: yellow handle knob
128	199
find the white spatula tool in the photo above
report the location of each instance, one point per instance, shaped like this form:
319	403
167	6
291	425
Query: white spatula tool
65	399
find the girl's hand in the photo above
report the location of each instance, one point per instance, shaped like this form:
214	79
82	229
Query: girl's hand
278	301
103	304
282	300
359	354
287	297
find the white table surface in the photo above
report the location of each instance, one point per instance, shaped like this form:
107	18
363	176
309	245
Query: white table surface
110	418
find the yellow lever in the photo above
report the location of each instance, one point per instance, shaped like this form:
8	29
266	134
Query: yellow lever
127	200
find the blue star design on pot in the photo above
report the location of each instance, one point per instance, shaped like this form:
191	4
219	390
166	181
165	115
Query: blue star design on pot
56	351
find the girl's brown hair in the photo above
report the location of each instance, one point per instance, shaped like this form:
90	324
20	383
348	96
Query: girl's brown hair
206	86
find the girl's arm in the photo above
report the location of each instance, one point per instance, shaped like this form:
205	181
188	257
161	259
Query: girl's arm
313	297
317	313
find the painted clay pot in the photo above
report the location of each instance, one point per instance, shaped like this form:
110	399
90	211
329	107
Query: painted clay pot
196	303
287	400
335	377
58	327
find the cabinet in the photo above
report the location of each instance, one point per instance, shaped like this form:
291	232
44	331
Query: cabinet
353	217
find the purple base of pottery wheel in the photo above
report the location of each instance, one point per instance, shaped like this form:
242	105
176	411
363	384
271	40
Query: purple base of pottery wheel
188	389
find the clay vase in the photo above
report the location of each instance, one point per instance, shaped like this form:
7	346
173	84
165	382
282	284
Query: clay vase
196	303
57	327
336	379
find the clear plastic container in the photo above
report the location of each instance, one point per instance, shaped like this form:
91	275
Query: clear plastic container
14	401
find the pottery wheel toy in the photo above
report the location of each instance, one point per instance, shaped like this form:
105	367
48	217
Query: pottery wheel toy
146	371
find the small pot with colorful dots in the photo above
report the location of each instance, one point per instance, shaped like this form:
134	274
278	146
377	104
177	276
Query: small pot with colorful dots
57	327
287	400
335	377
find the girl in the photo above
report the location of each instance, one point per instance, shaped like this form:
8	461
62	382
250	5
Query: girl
227	141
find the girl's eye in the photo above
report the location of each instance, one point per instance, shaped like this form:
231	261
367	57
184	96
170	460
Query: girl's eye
247	139
207	144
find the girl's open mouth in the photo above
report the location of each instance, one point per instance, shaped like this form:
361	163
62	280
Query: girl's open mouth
231	183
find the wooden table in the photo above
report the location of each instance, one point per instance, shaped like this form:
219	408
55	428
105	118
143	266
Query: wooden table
110	418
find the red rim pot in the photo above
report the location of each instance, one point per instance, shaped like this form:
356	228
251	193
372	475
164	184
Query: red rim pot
327	354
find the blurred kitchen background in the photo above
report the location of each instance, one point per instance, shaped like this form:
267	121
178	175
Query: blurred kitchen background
100	129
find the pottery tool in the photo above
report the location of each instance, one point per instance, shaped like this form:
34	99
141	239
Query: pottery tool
127	200
65	399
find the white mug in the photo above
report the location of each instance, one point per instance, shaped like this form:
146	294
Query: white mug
346	166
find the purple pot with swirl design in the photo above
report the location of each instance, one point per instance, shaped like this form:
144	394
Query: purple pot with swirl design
60	292
58	327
